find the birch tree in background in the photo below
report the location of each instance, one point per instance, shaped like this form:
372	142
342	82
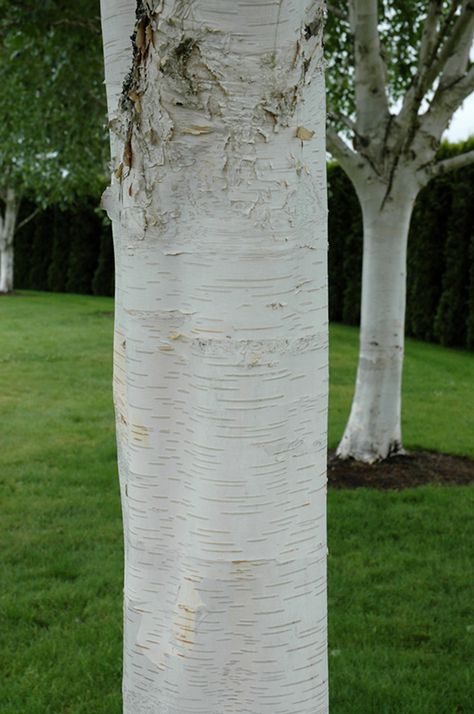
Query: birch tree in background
52	111
220	380
397	72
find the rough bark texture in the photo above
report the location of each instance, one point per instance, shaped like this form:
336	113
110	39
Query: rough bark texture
7	233
220	379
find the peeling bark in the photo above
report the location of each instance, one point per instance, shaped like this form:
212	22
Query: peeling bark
220	370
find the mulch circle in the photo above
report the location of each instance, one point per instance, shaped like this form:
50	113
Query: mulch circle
416	468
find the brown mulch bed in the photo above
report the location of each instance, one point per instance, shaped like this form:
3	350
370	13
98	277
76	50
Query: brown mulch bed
416	468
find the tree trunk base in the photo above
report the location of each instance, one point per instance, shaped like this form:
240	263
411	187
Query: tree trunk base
348	450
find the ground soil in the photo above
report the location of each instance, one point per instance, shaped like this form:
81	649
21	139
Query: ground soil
417	468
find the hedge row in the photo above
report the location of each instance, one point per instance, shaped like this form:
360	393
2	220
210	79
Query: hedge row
71	251
440	272
65	251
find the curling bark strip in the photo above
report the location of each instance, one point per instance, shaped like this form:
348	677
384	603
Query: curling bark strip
218	205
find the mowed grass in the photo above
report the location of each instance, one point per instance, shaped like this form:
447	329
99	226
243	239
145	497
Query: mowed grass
401	564
438	393
61	543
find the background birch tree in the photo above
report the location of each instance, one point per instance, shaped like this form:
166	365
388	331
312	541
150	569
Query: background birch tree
220	372
52	110
397	71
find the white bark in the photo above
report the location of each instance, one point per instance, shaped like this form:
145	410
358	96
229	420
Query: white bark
370	80
6	268
391	159
7	233
373	431
445	102
348	159
446	165
219	210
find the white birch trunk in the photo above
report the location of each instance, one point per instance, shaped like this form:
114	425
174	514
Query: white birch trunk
391	159
219	210
373	431
6	268
7	233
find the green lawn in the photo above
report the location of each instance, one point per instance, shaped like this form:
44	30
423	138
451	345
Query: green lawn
438	393
401	564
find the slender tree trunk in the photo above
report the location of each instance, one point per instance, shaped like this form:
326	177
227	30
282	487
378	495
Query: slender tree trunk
6	268
7	233
373	431
219	211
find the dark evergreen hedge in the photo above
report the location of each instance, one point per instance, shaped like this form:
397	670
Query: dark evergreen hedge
345	249
71	251
65	251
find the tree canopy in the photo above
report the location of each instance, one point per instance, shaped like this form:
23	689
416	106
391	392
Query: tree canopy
400	30
404	62
52	102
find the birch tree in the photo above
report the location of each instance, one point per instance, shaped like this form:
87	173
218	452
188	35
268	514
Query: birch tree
7	231
220	371
397	72
52	111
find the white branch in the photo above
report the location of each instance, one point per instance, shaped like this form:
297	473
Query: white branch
452	164
353	164
370	71
434	56
455	51
29	218
445	102
338	148
430	34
